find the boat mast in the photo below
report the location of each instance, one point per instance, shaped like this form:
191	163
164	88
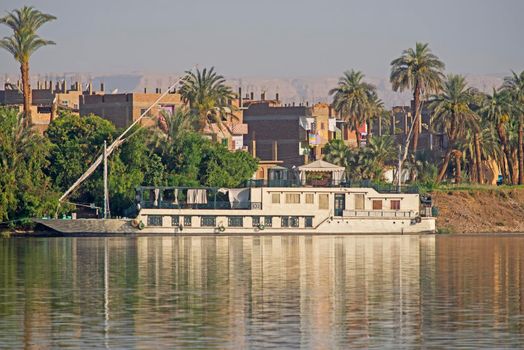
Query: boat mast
106	190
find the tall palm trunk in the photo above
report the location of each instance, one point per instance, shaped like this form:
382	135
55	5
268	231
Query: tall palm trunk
458	170
505	147
416	116
449	150
520	152
478	158
26	91
444	166
357	135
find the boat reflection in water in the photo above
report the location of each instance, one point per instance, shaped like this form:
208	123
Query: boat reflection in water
240	292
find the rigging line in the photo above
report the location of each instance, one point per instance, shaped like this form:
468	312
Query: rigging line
119	140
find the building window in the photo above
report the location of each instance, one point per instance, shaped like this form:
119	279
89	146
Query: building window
310	198
395	204
187	221
323	201
308	221
293	221
175	220
322	126
235	221
268	221
293	198
275	198
377	204
208	221
154	220
255	220
284	221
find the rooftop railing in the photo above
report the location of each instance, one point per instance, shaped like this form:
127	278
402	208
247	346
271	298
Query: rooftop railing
381	188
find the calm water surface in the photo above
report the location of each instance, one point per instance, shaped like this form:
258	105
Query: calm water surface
316	292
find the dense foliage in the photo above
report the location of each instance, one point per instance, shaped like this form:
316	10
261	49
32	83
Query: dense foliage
35	169
25	189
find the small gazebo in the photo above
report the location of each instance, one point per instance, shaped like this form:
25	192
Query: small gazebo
321	173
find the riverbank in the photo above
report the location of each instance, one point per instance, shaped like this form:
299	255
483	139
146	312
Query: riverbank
480	210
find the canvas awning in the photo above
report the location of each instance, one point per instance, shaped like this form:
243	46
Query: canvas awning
337	172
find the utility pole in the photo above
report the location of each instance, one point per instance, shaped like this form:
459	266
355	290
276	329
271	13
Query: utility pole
106	191
399	168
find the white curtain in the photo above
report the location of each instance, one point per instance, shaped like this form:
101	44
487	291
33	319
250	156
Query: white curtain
239	198
196	196
157	194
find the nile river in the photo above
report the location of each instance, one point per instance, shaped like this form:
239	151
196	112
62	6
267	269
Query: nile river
319	292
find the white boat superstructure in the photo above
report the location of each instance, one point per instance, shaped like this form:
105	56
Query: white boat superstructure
277	210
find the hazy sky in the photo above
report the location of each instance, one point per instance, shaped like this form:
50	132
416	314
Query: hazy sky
273	37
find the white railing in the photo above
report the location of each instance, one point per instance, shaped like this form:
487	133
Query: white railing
380	213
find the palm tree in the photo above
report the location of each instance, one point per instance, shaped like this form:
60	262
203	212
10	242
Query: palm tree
420	71
208	96
452	114
514	84
382	149
352	100
336	152
497	108
376	110
172	127
23	43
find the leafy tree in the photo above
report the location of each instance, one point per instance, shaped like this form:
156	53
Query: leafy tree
25	191
208	96
452	113
420	71
75	143
23	43
352	99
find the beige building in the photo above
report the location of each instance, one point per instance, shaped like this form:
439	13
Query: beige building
47	98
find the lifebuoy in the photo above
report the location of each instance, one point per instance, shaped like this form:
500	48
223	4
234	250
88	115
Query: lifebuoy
141	225
135	223
418	219
180	227
261	227
221	228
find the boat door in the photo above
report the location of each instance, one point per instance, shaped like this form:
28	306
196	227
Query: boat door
340	204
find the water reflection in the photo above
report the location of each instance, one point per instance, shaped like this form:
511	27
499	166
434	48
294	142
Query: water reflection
241	292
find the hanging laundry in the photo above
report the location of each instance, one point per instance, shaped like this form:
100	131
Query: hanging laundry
197	196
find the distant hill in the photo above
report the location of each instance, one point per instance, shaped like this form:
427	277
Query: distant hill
300	89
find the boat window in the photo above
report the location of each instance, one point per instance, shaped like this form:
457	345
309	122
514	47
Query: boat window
268	221
310	198
175	220
209	221
377	204
187	220
154	220
275	198
285	221
255	220
395	204
323	201
308	221
235	221
359	202
294	221
293	198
